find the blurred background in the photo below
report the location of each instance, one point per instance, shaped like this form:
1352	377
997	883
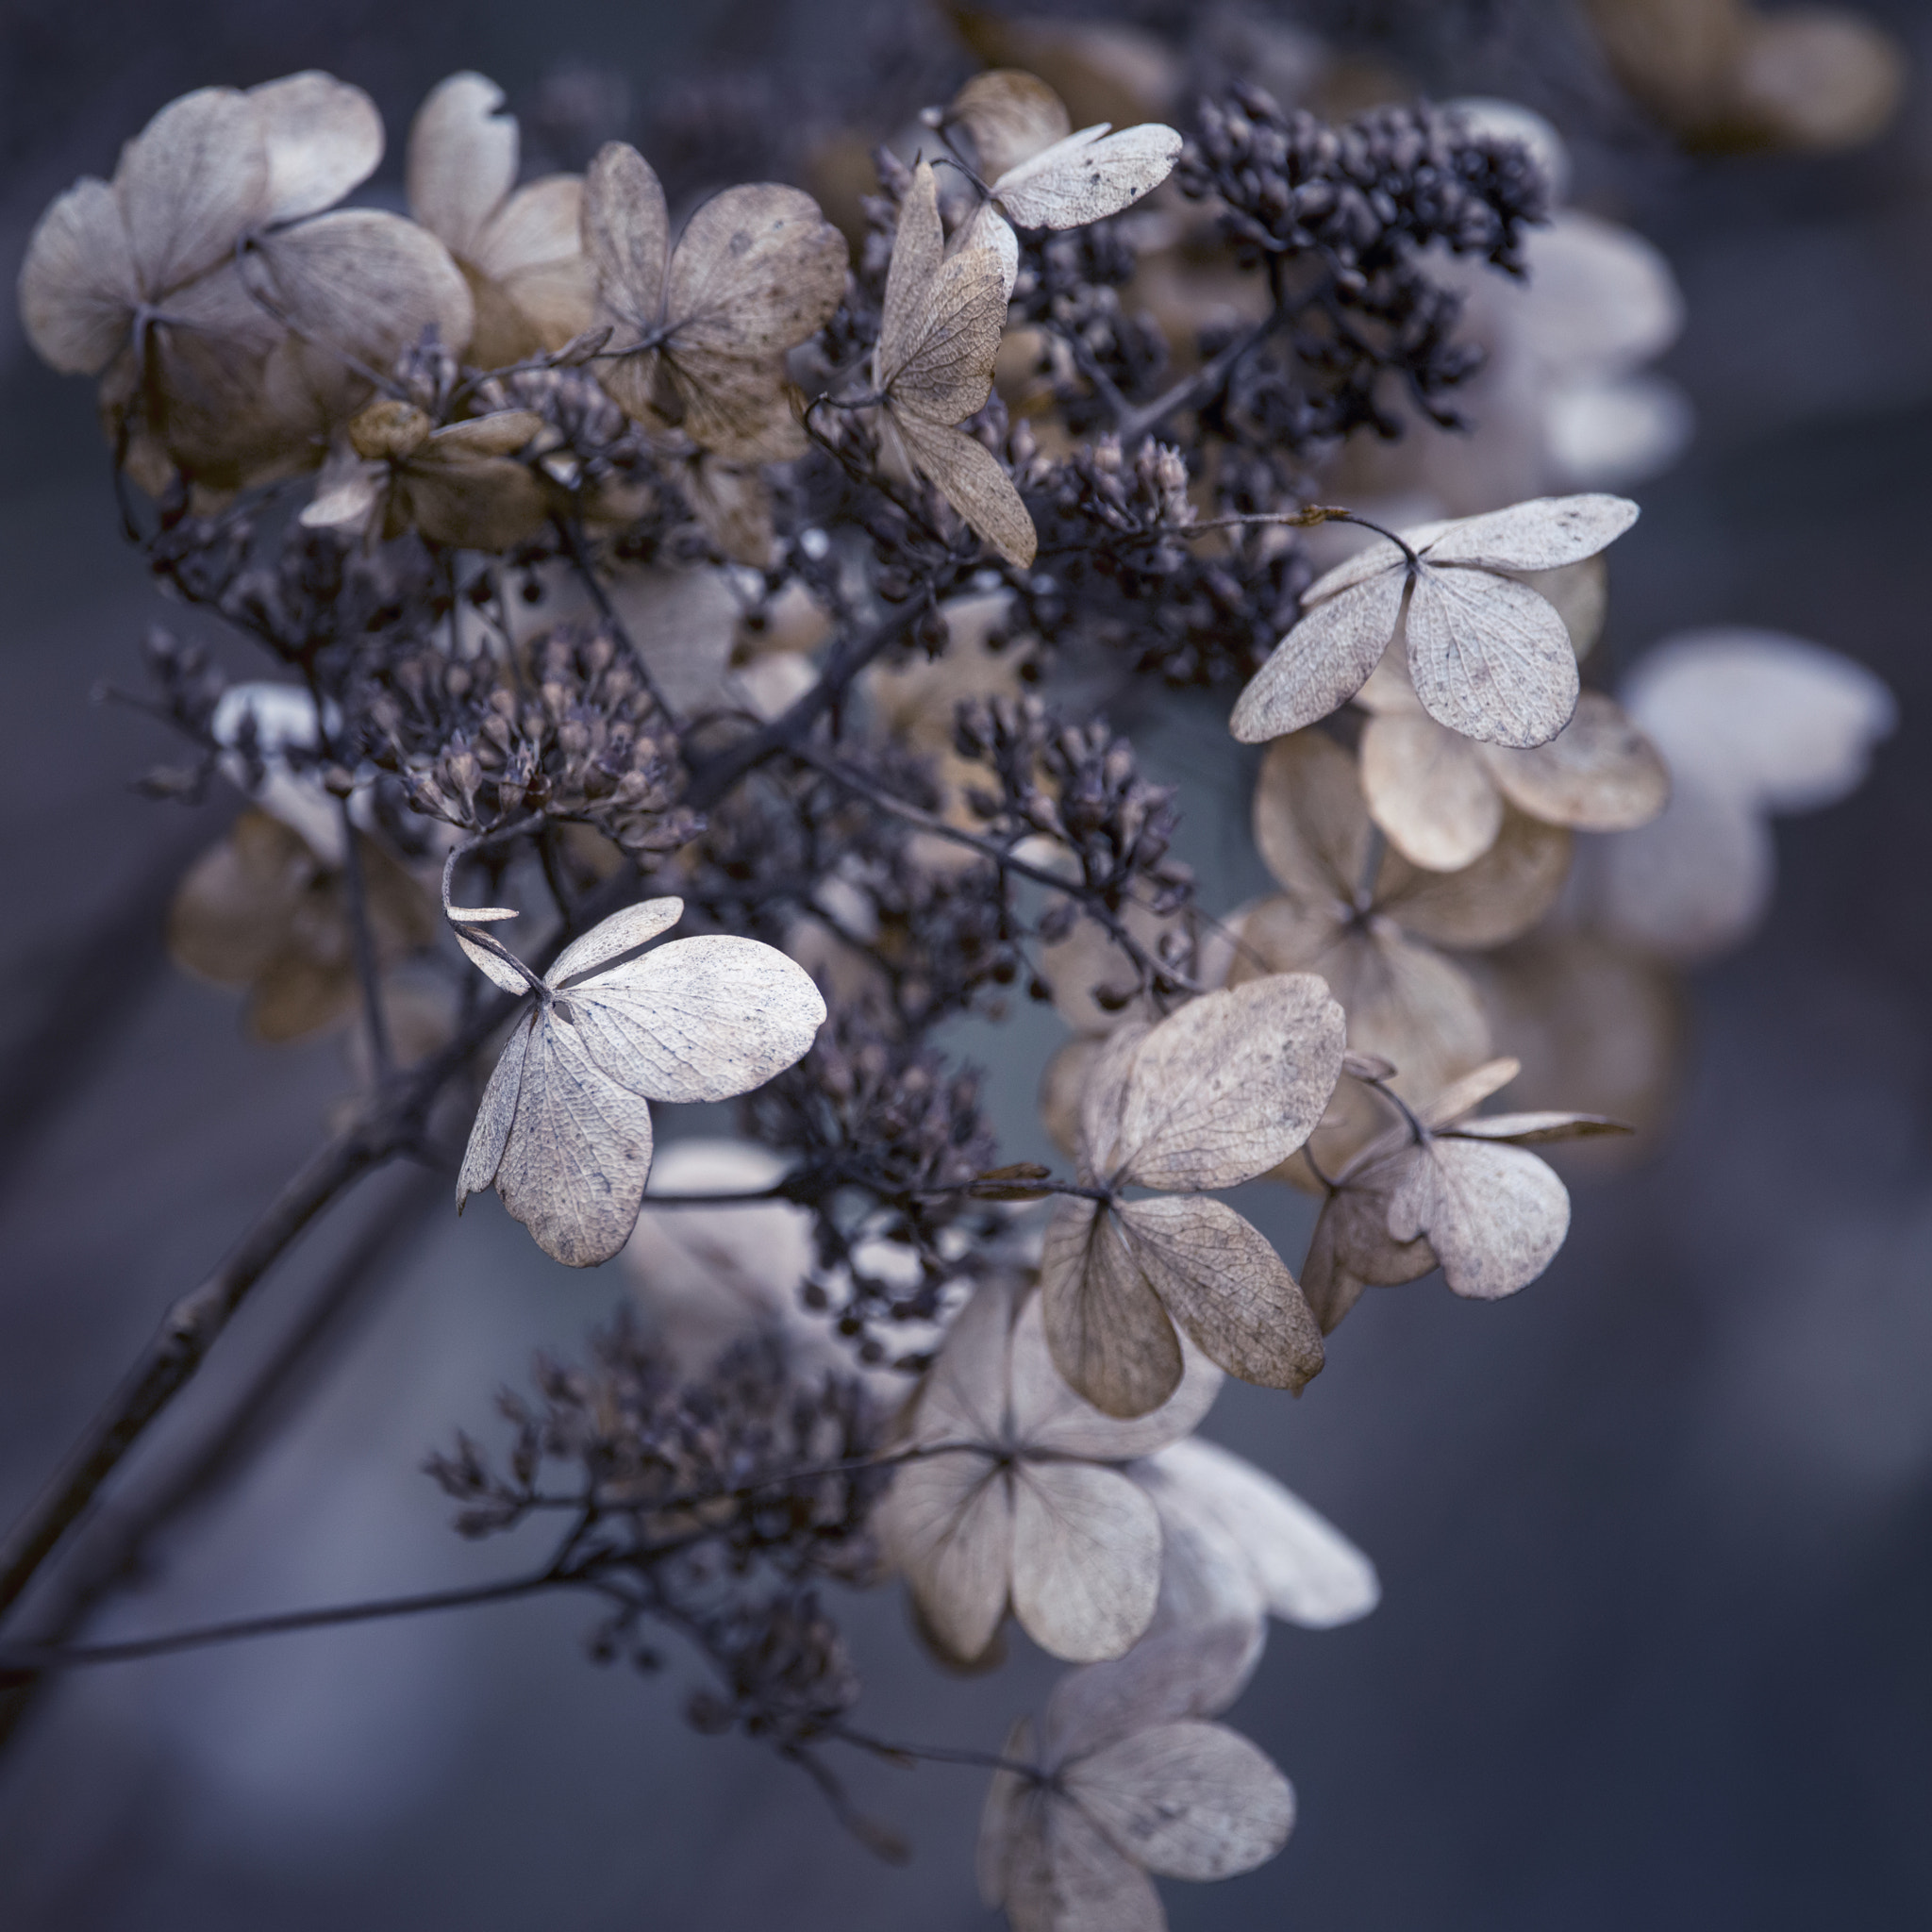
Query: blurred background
1655	1537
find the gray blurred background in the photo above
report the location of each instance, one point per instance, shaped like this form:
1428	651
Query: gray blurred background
1655	1537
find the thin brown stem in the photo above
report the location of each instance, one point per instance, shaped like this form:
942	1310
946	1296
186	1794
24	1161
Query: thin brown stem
362	933
202	1636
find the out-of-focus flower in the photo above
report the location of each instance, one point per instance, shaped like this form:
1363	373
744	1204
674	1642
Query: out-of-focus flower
1240	1548
459	484
1750	722
1721	74
1374	938
262	909
231	320
520	249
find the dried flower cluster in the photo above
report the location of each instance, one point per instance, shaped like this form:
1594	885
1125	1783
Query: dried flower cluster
645	565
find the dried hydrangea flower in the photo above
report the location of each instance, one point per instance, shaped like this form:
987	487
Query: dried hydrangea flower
1014	1500
1040	173
1217	1093
459	484
1750	722
520	249
261	908
700	332
1374	938
1130	1778
1488	655
1446	1188
222	359
1441	796
565	1130
1238	1547
939	335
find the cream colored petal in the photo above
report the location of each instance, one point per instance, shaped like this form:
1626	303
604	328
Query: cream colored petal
964	1396
1061	1086
78	289
1466	1095
1579	593
946	373
947	1523
1188	1800
917	248
757	269
1064	1874
1307	1572
579	1150
1597	1026
1085	1558
1323	662
699	1019
1494	1215
1109	1334
1502	894
190	183
1102	1098
1542	534
1088	176
1352	1249
610	939
975	482
1819	78
496	1114
1008	1799
1408	1004
324	137
1599	774
1768	719
1693	882
738	408
540	227
1537	1129
462	160
1012	116
347	502
733	505
626	239
1311	825
500	434
1048	1415
1222	1281
1429	791
1230	1085
985	227
1168	1676
365	284
1489	658
492	966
